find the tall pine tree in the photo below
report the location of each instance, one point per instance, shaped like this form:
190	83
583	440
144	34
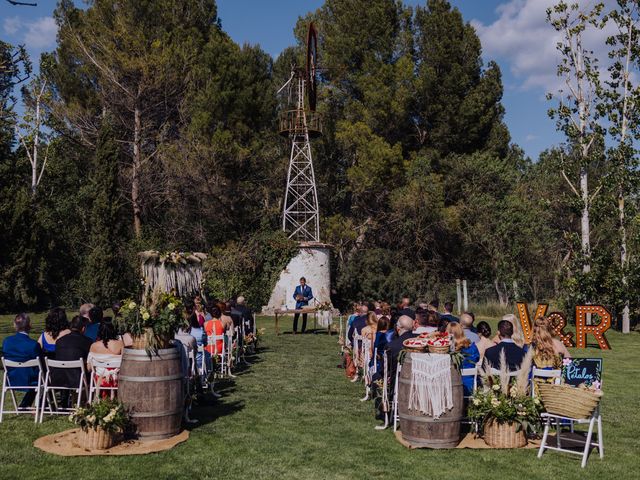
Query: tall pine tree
102	276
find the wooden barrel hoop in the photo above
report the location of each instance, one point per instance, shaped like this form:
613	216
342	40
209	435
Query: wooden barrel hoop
152	388
421	430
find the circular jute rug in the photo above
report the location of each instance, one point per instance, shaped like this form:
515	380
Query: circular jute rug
66	444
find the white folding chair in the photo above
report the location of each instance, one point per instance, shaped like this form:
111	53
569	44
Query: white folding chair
113	369
470	372
395	398
541	373
10	389
357	352
385	391
212	341
193	366
50	389
594	421
366	372
513	374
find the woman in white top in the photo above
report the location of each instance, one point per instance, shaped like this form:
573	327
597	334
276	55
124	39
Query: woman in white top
106	349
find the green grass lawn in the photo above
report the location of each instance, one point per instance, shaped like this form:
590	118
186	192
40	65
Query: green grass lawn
293	414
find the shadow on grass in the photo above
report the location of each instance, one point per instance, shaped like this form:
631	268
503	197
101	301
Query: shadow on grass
206	414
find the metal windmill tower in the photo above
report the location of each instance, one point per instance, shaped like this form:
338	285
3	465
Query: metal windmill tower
300	123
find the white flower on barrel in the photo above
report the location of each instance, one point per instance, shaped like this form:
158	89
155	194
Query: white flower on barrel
171	306
132	305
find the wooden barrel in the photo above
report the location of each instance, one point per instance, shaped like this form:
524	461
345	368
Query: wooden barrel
151	387
421	430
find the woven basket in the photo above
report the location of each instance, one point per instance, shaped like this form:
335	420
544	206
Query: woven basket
568	401
96	439
141	343
437	349
415	349
503	435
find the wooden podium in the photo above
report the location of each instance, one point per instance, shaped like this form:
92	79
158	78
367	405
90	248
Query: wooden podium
307	310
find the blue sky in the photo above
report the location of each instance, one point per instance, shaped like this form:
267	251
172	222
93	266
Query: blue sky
513	32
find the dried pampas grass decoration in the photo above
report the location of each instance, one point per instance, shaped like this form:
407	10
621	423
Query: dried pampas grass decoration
521	385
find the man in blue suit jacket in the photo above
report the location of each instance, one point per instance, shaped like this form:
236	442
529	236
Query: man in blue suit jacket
21	348
302	294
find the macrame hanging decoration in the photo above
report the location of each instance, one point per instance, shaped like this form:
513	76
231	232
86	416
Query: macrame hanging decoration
177	272
431	392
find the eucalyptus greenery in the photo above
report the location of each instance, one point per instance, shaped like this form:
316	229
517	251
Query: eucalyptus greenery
158	322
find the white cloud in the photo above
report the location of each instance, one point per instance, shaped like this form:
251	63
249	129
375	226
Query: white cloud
521	38
530	137
40	33
11	25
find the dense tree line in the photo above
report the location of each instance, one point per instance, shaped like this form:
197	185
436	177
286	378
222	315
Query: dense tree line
161	132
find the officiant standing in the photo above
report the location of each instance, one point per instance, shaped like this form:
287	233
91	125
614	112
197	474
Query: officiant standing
301	295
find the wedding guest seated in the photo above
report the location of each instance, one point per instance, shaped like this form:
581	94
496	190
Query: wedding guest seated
548	350
359	323
198	309
513	353
484	333
196	331
245	313
442	325
85	308
227	320
420	322
427	322
369	330
383	334
469	352
21	348
433	305
73	346
107	348
448	309
189	344
518	335
405	308
56	326
355	312
385	310
95	317
214	327
466	322
115	308
405	331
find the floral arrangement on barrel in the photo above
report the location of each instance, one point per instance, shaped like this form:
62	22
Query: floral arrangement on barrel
102	423
503	408
152	327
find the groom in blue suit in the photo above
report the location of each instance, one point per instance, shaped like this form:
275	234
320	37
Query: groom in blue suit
301	295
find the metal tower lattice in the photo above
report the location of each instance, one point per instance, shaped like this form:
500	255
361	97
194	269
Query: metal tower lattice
301	218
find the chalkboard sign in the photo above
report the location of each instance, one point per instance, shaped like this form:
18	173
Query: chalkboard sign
576	371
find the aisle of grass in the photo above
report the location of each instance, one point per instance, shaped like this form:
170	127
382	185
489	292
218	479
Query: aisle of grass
292	415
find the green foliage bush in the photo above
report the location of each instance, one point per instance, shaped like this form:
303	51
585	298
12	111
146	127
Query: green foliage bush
248	267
